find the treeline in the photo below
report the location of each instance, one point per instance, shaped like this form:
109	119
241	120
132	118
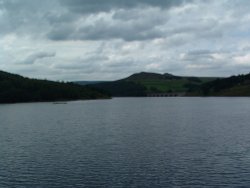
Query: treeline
232	86
122	88
15	88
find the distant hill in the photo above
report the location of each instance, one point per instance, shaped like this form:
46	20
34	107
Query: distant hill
84	83
15	88
162	83
149	76
144	83
232	86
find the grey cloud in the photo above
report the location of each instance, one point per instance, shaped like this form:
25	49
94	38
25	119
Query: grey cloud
212	62
242	7
200	55
122	64
246	48
127	33
62	32
58	17
131	23
140	26
31	59
93	6
130	31
136	25
26	17
86	64
202	28
199	52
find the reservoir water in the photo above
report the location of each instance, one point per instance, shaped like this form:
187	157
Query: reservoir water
126	142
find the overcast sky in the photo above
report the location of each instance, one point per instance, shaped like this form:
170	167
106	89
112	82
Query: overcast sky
111	39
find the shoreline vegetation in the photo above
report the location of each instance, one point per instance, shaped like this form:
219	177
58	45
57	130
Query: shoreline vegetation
17	89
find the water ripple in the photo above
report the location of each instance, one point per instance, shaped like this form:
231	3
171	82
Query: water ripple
126	142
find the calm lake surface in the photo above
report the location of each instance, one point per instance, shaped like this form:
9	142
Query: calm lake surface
126	142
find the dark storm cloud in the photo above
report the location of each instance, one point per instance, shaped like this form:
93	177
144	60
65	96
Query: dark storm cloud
93	6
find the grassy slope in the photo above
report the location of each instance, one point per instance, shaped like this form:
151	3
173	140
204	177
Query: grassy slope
161	83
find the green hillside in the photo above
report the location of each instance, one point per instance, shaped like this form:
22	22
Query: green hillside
162	83
15	88
142	84
232	86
